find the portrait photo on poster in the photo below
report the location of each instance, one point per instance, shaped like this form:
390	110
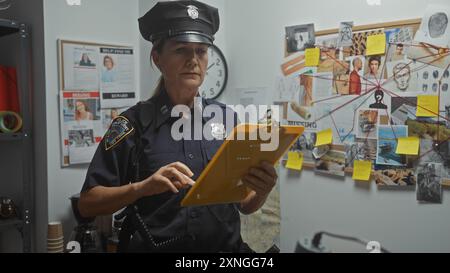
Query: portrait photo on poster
79	70
81	109
300	37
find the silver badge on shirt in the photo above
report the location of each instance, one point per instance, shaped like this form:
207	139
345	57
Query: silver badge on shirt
218	131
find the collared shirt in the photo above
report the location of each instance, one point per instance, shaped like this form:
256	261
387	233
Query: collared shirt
150	146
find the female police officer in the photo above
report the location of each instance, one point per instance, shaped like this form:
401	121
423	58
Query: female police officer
140	166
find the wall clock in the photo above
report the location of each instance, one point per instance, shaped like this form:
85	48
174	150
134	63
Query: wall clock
216	77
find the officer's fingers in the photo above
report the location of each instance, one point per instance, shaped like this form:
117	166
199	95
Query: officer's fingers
270	169
263	176
182	168
173	173
252	182
178	185
166	182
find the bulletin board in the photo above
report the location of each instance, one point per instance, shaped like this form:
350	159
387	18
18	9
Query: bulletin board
97	83
373	102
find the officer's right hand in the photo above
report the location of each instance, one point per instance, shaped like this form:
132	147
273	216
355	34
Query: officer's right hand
172	177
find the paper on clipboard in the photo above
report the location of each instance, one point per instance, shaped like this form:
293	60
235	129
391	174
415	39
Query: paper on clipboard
220	182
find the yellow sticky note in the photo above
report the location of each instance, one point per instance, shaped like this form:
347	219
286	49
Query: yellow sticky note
408	146
376	44
295	161
312	56
324	137
427	106
362	170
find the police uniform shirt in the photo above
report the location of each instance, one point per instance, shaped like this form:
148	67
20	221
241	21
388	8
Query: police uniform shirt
138	144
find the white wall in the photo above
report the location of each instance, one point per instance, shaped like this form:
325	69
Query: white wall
310	203
103	21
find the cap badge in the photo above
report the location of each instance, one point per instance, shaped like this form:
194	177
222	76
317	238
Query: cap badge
193	12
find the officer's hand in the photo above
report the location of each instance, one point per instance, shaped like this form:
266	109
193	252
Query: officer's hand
261	179
172	177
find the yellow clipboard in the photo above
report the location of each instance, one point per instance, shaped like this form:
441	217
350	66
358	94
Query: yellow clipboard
220	182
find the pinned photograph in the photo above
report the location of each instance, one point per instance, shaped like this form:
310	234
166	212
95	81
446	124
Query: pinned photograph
387	145
332	163
81	138
363	150
398	40
438	152
367	121
359	44
108	115
345	34
388	176
329	52
435	29
306	144
428	129
429	188
81	106
374	68
403	109
79	66
300	37
356	74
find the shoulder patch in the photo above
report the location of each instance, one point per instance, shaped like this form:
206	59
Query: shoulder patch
118	131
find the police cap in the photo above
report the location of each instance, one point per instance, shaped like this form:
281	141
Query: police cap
184	21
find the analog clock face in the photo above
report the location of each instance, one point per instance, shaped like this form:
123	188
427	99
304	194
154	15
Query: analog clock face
216	75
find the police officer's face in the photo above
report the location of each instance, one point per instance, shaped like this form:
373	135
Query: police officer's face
183	65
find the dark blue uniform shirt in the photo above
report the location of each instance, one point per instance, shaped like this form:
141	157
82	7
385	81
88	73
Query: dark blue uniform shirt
137	145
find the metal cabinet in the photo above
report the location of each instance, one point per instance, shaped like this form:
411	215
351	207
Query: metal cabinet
23	65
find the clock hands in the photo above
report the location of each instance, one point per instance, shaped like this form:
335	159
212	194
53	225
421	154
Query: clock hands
211	66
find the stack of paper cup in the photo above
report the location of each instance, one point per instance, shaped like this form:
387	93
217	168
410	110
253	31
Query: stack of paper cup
55	238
